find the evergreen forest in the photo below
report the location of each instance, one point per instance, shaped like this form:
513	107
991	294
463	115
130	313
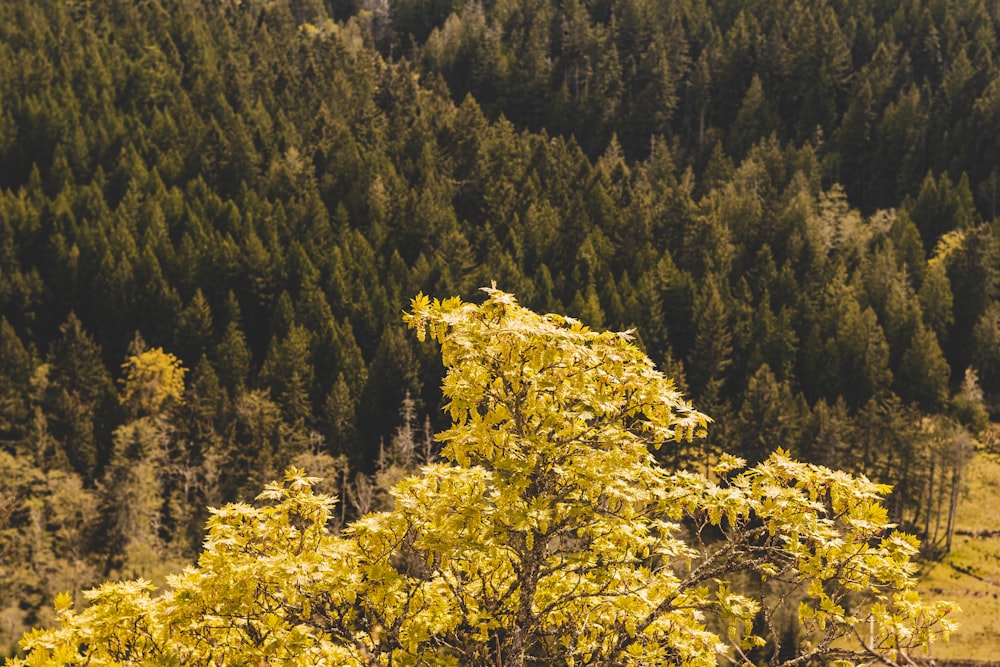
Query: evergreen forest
213	213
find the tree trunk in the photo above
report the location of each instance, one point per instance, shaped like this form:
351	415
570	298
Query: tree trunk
930	500
956	485
517	645
958	473
940	502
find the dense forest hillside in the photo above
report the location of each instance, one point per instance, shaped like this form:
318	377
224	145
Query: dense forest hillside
793	203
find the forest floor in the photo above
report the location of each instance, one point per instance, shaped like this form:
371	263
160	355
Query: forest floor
970	574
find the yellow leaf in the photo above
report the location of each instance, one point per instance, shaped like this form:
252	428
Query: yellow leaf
63	602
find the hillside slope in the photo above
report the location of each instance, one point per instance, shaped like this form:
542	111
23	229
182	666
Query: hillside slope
259	187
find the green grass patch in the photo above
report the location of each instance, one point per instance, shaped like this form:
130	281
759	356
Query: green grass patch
970	574
979	508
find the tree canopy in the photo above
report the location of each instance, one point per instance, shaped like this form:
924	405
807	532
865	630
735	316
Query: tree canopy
549	533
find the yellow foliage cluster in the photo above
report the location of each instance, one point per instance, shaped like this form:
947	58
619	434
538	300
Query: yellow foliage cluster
549	534
152	380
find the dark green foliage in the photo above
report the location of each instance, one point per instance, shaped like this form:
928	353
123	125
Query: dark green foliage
936	300
942	206
48	522
16	369
770	413
79	398
923	372
711	353
986	348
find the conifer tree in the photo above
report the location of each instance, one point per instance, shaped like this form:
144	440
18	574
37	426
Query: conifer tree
936	300
16	370
194	329
712	349
79	397
986	348
924	373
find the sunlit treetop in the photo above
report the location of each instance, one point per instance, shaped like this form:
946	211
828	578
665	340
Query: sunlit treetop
152	379
522	385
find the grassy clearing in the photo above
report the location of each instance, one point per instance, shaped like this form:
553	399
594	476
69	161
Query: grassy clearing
970	575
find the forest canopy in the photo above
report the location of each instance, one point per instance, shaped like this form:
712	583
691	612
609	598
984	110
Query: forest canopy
548	534
793	205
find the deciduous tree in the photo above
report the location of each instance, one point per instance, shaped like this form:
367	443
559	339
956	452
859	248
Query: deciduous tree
548	534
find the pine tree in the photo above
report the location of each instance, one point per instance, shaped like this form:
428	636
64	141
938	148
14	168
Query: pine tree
770	413
339	417
924	373
756	119
288	372
711	352
936	300
232	358
986	348
79	400
16	370
194	329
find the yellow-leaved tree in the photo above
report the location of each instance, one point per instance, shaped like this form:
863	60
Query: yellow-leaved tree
152	379
547	535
